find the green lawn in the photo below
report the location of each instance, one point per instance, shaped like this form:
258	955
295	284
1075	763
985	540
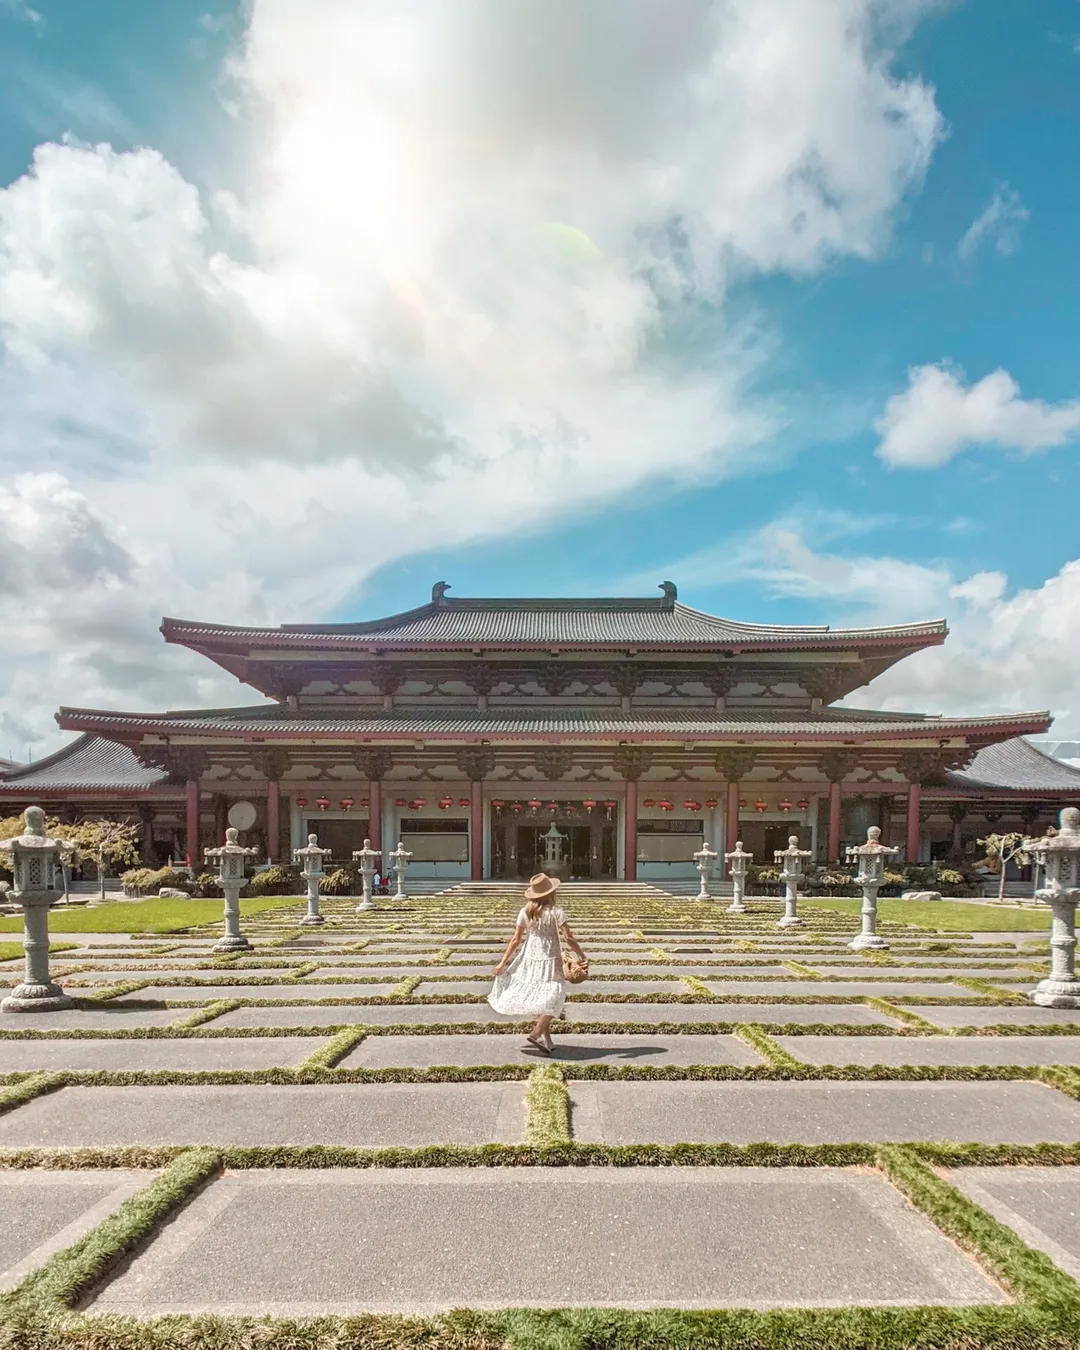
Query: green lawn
10	950
948	915
145	916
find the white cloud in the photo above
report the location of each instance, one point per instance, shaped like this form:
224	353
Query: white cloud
19	9
444	284
998	224
936	418
1006	652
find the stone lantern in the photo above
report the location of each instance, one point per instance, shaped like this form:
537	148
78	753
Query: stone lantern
737	859
871	859
1059	857
704	861
399	860
794	859
231	859
367	858
37	863
311	863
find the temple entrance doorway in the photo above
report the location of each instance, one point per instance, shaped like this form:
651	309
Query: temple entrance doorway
517	844
763	838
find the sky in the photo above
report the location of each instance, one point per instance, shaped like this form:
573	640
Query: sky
308	304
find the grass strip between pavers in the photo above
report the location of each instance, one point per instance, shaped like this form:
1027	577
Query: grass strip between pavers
38	1314
547	1108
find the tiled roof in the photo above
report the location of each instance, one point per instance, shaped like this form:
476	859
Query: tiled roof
564	622
1015	764
89	762
457	722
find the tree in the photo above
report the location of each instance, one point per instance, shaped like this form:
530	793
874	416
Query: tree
108	842
1001	849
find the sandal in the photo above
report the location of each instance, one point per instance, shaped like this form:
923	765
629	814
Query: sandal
536	1045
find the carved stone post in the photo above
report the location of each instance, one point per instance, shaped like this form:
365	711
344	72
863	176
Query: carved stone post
311	861
737	861
366	857
704	861
630	762
37	863
1059	856
230	858
793	857
399	860
871	859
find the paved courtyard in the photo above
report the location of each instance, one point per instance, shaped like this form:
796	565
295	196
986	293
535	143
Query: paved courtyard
336	1124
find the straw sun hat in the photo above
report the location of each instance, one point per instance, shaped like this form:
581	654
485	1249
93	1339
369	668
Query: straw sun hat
541	887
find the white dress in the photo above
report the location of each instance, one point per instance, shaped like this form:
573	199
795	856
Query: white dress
532	984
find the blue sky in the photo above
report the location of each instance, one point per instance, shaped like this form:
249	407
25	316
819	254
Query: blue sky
514	304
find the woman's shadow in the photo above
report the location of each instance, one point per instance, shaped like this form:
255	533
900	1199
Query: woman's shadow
584	1052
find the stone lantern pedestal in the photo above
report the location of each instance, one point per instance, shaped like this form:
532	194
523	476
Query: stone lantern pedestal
738	859
1059	856
399	860
367	858
705	861
311	863
37	863
231	860
871	859
794	859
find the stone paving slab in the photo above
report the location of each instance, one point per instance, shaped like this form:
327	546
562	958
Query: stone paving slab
350	1014
1008	1014
853	1014
846	989
819	1113
103	1016
427	987
292	1243
360	1114
262	1052
209	994
1040	1204
48	1211
379	1052
933	1049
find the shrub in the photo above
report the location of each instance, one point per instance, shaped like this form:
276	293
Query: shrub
949	876
277	880
342	881
143	880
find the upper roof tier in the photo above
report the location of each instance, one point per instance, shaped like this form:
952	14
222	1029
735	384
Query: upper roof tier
453	624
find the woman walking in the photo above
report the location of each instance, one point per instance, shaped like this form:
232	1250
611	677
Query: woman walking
529	978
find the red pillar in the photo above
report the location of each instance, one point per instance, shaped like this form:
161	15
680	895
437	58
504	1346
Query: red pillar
476	831
913	799
273	819
731	829
630	832
375	813
194	857
833	852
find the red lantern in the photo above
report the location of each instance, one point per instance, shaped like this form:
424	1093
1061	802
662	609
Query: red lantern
417	804
649	801
803	803
761	805
497	805
364	802
589	804
665	805
712	803
400	801
785	805
322	803
534	805
464	801
553	807
610	806
301	802
346	803
517	808
691	805
742	801
445	803
570	809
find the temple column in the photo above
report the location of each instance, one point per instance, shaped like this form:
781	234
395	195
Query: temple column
630	832
146	817
885	819
731	825
273	820
476	831
914	798
833	849
191	812
375	812
957	814
476	764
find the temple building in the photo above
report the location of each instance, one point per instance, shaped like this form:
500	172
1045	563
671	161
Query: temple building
465	727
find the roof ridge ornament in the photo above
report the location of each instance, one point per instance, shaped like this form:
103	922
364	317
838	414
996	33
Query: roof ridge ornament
671	593
438	592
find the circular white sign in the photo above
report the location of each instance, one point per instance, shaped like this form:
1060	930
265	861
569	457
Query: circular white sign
242	815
